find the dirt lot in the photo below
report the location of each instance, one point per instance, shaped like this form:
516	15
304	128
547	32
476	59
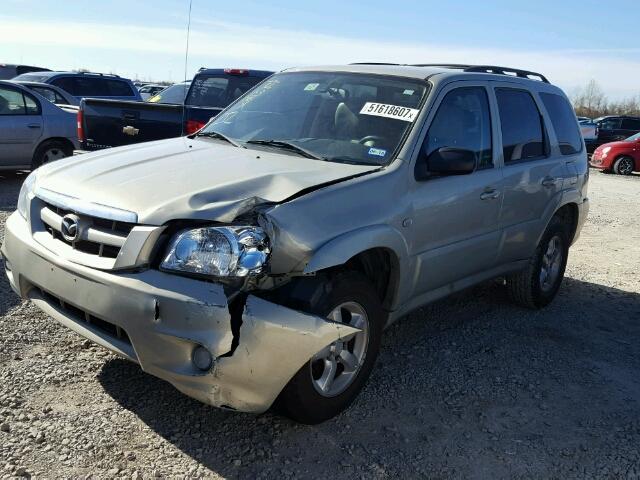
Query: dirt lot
471	387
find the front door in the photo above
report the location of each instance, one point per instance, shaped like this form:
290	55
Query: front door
20	126
455	232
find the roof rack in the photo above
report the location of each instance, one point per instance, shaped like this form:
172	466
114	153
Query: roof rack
513	72
99	74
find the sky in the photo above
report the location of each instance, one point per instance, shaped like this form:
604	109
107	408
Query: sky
570	41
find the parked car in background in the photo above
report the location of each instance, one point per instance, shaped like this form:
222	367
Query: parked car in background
108	123
588	130
263	257
33	131
147	91
614	128
51	92
174	94
621	157
87	85
8	71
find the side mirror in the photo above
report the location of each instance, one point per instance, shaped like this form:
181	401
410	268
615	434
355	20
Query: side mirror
447	161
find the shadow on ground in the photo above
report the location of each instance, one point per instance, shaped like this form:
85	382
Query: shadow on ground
469	386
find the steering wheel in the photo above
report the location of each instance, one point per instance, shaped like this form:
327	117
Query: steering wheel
370	138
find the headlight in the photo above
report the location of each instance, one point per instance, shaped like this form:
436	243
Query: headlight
28	186
218	251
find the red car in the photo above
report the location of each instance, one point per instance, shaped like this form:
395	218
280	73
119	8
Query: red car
618	157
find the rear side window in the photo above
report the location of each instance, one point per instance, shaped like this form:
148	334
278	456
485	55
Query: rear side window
218	90
521	123
564	123
630	124
49	94
91	87
463	121
65	83
118	88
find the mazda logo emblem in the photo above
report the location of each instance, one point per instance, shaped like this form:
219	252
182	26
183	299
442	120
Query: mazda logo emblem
70	228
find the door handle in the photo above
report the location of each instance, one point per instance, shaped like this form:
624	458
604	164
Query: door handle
490	195
33	125
549	182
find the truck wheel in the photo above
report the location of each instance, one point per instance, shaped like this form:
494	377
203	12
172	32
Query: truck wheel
623	166
537	285
50	151
332	379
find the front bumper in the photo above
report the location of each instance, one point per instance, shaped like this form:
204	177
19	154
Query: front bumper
158	319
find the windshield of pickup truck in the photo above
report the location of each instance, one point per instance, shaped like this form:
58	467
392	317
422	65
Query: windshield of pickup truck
342	117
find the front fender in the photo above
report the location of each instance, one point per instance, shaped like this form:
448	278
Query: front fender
346	246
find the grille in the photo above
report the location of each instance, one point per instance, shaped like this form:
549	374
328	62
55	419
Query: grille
80	316
97	236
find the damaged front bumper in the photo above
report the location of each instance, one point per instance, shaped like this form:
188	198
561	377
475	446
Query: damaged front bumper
158	319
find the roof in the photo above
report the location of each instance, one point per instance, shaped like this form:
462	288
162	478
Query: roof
424	71
49	74
220	71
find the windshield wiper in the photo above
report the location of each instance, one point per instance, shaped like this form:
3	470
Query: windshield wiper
221	136
287	146
352	161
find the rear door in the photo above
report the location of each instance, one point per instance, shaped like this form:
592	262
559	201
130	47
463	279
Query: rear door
20	126
630	126
610	130
533	176
455	230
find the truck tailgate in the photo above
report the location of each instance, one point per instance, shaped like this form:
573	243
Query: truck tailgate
112	123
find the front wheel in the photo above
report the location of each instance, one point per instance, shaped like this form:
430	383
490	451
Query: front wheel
537	285
330	381
624	166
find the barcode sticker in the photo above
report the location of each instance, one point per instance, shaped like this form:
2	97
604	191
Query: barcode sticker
390	111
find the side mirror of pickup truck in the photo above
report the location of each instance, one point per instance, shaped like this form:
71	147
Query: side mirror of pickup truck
446	161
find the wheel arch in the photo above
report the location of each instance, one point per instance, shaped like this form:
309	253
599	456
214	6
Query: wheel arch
380	252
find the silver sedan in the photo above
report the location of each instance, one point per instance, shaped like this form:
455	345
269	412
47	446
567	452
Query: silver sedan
33	131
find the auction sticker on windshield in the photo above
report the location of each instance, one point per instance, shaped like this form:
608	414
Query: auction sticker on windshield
390	111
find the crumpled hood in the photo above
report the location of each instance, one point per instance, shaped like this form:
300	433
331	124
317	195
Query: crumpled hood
183	178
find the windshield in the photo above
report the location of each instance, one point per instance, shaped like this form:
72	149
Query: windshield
173	94
342	117
633	138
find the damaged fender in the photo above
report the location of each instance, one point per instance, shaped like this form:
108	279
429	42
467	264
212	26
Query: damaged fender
275	342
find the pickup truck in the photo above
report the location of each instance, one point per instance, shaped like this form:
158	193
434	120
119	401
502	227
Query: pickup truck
112	123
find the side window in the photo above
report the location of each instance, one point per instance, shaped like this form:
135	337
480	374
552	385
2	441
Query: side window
564	123
91	87
11	102
521	124
118	88
31	105
630	124
66	83
609	124
463	121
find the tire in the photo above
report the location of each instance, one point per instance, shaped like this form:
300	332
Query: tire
49	151
530	287
624	165
301	399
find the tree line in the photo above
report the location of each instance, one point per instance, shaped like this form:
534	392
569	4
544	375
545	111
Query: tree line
592	102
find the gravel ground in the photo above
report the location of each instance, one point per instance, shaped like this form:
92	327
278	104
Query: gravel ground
470	387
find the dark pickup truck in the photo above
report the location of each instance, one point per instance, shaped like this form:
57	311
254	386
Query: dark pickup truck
112	123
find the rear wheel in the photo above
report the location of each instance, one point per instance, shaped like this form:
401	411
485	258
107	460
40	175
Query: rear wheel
537	285
624	166
50	151
330	381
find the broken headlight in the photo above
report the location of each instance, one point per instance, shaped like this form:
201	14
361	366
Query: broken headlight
218	251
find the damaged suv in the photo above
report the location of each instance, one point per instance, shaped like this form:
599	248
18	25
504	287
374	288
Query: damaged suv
260	259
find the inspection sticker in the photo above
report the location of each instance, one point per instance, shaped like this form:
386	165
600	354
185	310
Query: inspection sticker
390	111
311	87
